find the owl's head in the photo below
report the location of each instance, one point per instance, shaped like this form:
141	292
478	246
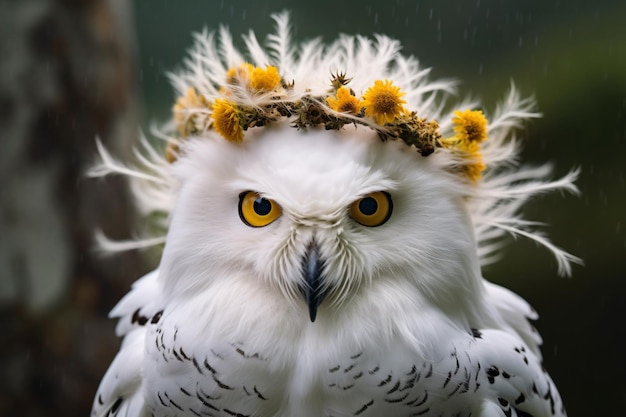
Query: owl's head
319	216
320	174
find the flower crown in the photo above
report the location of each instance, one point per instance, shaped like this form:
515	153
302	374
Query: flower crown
252	96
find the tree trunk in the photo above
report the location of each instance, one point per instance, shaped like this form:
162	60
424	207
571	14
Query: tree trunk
66	77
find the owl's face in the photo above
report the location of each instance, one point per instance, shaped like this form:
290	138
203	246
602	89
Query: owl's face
318	219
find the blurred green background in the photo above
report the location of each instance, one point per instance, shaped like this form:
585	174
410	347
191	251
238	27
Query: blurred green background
570	55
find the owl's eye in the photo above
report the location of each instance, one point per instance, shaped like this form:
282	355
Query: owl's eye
373	209
256	211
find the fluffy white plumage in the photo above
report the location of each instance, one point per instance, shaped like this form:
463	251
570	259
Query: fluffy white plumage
407	325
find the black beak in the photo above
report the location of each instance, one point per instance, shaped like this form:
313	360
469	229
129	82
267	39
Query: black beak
312	268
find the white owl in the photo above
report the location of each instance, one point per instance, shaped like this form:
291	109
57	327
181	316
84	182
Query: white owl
328	217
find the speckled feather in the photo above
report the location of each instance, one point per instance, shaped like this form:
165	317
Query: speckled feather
408	326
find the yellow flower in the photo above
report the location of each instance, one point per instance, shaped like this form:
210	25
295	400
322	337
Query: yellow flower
475	167
473	164
470	125
344	102
226	120
255	79
240	73
383	102
264	80
185	108
470	129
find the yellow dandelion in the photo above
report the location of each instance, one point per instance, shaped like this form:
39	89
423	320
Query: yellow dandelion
240	73
344	102
475	171
226	120
383	102
470	125
470	129
264	80
475	165
255	79
472	164
184	110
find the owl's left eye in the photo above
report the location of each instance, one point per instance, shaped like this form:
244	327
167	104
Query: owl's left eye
257	211
372	209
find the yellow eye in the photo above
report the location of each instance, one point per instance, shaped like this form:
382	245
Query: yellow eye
373	209
256	211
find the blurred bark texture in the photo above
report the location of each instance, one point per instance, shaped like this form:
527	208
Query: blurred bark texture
66	77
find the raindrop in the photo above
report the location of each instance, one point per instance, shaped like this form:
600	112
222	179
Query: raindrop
604	198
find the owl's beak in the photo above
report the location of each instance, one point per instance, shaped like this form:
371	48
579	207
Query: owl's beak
312	266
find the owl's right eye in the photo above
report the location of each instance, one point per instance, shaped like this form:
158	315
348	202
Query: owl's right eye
257	211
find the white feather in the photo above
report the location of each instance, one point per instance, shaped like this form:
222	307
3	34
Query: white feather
280	43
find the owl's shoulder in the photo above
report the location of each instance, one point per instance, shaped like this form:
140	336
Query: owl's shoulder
512	376
120	392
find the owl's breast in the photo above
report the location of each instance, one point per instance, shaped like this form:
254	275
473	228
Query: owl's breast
208	377
229	378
